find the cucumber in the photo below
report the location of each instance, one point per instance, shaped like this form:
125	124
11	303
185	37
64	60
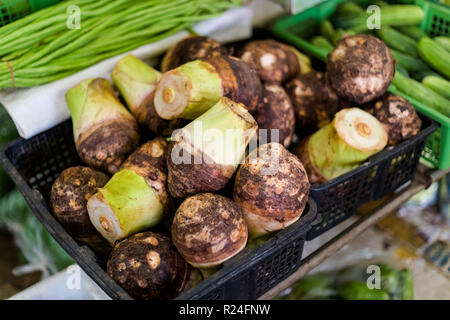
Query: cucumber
422	94
8	132
411	64
435	55
438	85
346	8
412	31
327	30
443	41
322	42
397	40
391	15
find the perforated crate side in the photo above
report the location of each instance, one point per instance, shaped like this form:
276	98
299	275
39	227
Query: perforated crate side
42	158
338	199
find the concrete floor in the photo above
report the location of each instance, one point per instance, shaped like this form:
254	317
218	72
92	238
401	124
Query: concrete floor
9	259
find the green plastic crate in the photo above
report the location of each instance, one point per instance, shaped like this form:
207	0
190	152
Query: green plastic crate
297	28
11	10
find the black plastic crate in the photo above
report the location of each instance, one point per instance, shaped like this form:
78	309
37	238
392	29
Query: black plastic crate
382	174
35	163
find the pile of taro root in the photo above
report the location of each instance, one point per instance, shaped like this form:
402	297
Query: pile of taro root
186	166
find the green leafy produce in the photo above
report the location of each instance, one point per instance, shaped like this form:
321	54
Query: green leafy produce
438	85
8	132
407	285
40	48
421	93
317	286
40	250
350	283
435	55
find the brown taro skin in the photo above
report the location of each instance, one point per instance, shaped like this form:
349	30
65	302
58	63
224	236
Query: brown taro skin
360	68
148	118
273	61
185	179
149	161
315	103
69	196
190	49
108	144
274	185
276	112
208	229
398	117
148	266
240	82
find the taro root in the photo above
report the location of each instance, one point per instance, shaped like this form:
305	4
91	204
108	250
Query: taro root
148	266
315	103
398	116
349	140
136	197
273	61
70	193
105	132
360	68
137	82
191	48
276	112
191	89
204	155
272	188
209	229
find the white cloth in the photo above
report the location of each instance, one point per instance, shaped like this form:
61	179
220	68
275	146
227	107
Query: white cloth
37	109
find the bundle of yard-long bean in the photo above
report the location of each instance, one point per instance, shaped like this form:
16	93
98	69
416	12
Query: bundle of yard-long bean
40	48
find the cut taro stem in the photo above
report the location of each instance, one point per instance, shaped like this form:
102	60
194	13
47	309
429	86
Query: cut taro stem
226	130
352	137
135	81
126	205
188	91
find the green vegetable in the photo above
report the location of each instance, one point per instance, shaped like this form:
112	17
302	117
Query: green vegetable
391	15
348	7
390	278
49	50
443	41
397	40
317	286
8	132
412	31
40	250
421	93
322	42
409	63
354	290
435	55
438	85
340	33
327	30
407	285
